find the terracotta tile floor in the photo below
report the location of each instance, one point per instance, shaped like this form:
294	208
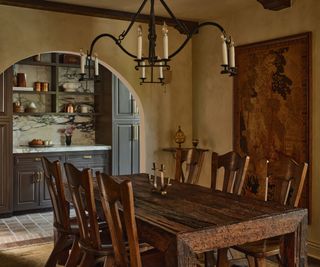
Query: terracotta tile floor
26	229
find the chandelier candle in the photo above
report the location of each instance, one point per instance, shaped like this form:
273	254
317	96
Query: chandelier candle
83	61
139	56
165	41
96	65
224	51
143	70
161	70
232	55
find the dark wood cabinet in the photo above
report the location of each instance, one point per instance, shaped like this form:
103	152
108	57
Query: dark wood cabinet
126	151
96	160
5	142
5	167
30	189
125	130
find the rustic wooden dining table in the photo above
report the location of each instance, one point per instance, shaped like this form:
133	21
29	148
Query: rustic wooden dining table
193	219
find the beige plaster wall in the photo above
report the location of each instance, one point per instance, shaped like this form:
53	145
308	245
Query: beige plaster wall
25	32
212	102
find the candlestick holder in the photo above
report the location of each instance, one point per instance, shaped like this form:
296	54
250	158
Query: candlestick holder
154	179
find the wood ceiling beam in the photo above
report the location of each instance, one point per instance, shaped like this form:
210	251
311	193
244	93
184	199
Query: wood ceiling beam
91	11
275	4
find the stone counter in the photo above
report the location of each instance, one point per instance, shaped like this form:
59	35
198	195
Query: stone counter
59	148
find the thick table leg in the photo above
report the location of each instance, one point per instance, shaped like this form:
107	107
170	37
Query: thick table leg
294	247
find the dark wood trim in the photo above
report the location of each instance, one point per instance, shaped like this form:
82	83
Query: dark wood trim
275	5
91	11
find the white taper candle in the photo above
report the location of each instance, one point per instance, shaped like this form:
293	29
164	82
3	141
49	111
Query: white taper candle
161	70
82	61
224	51
143	70
165	41
96	65
139	56
232	55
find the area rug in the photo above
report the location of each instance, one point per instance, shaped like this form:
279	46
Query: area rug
28	256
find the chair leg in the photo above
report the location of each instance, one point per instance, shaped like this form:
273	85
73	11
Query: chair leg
109	262
87	260
251	261
62	244
222	260
209	259
260	262
75	254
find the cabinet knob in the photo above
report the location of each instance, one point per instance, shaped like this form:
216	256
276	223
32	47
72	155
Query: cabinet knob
37	159
87	157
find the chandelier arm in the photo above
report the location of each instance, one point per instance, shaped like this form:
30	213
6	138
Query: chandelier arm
114	39
180	24
195	30
133	20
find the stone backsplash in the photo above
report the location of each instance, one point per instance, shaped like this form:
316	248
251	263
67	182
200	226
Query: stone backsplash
48	127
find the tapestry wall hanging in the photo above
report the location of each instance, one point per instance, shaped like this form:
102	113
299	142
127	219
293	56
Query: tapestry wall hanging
272	106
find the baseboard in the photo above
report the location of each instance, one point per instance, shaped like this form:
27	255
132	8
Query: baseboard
313	250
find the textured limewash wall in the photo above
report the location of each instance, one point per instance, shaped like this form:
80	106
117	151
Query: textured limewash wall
26	32
212	93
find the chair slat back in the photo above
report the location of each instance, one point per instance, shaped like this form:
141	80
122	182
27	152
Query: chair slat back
113	193
286	180
235	169
193	159
81	189
54	181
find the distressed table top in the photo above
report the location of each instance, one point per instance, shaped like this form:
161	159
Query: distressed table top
192	219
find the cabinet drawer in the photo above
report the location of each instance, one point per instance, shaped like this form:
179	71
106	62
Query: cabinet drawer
30	160
87	159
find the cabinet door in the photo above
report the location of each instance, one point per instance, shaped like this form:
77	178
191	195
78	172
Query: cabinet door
5	167
123	101
5	93
125	148
26	189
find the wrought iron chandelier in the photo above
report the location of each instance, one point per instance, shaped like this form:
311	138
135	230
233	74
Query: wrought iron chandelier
153	62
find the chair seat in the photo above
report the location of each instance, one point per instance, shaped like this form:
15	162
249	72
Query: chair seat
260	249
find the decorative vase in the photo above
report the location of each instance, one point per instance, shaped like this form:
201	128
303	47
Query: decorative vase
179	137
68	140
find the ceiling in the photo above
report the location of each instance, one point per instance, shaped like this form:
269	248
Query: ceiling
196	10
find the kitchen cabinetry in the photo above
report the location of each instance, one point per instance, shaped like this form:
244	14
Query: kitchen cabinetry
5	143
126	131
30	189
96	160
64	89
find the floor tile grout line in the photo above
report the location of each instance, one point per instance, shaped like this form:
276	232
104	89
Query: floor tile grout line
45	217
42	230
23	225
13	235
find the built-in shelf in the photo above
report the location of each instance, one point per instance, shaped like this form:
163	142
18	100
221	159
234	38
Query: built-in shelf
54	113
35	92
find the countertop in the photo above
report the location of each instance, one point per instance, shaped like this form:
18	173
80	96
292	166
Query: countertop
59	148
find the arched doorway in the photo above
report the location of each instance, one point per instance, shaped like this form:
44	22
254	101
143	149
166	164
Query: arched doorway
38	107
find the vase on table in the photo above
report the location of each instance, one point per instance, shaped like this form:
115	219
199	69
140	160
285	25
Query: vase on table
68	140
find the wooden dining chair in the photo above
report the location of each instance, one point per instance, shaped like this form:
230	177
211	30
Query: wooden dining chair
94	243
66	230
192	158
235	169
285	181
113	193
